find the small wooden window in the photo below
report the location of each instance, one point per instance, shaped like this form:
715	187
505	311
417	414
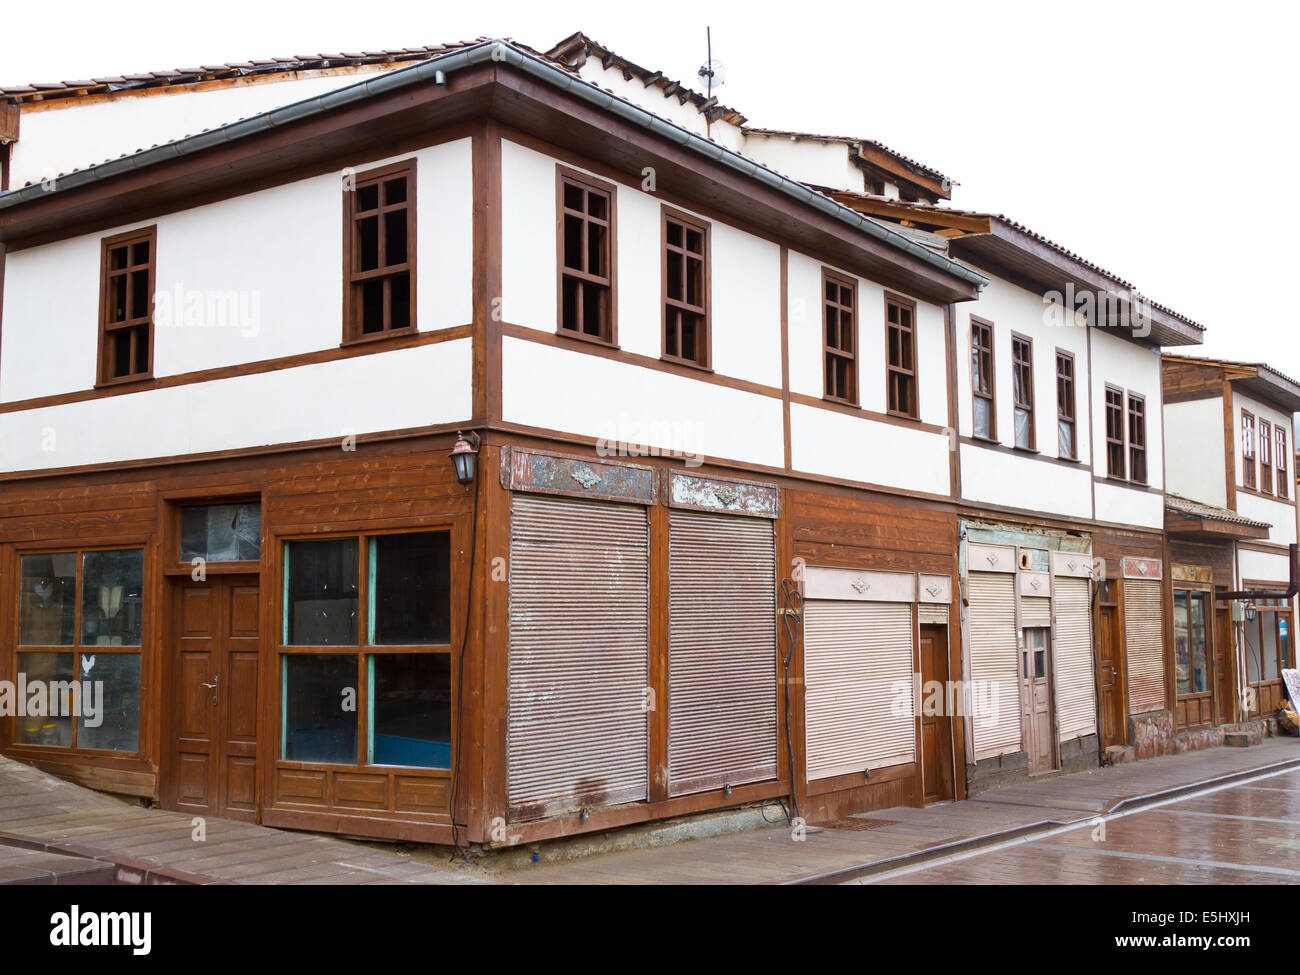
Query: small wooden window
1247	449
900	348
1115	466
379	253
1137	439
840	329
1066	444
685	289
1022	389
1280	462
586	257
127	266
1265	456
983	409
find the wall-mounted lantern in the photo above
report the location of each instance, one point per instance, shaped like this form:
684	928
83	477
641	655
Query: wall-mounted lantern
464	457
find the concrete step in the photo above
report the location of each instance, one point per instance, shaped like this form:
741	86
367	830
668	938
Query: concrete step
1237	739
1119	754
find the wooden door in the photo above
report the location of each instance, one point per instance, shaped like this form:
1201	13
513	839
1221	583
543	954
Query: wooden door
936	729
1036	700
213	650
1110	678
1225	695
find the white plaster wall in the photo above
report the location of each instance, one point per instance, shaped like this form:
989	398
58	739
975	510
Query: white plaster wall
1277	514
1128	506
1193	468
746	273
556	389
1012	480
854	448
393	390
267	264
58	140
807	160
806	343
1262	566
1135	369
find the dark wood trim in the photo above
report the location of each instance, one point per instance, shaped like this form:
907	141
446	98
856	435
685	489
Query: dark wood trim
1073	416
840	282
103	377
954	414
1268	548
785	346
992	395
1092	432
389	344
1120	482
834	406
1111	475
1230	435
1028	404
704	343
903	304
1248	463
1129	399
352	278
1267	497
566	175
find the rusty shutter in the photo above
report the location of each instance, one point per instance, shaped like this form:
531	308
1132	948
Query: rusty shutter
1144	645
721	651
995	670
1076	709
936	613
858	703
577	733
1035	611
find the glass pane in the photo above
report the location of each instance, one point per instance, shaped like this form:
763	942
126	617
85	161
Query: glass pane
1040	664
410	709
981	426
1200	635
1270	645
110	716
47	607
320	600
1251	628
1182	648
410	589
45	679
1065	438
112	598
1284	643
1022	428
319	708
221	532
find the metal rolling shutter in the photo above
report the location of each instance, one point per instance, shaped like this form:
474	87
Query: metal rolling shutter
932	613
721	651
1076	709
1144	645
1035	611
855	654
993	651
577	732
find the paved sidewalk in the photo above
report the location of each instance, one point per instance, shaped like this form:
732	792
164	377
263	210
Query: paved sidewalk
55	832
910	835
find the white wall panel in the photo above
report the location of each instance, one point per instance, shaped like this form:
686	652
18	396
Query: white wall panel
1128	506
1015	481
1193	468
858	449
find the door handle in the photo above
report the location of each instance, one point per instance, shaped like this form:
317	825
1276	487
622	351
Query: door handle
213	685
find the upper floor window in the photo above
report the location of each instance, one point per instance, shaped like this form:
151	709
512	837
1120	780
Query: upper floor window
983	415
1137	438
1066	446
840	326
900	347
1265	456
586	258
379	253
1247	449
686	289
1115	466
1280	462
1022	389
126	289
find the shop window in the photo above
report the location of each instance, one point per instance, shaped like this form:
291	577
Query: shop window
90	691
1191	642
221	532
391	591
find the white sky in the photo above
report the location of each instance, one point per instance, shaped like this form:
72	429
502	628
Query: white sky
1143	136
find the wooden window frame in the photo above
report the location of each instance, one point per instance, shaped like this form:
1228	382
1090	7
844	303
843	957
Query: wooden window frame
352	278
1248	479
1113	443
704	340
1280	465
982	357
891	370
131	325
1265	456
841	282
1027	405
1067	403
564	176
1136	450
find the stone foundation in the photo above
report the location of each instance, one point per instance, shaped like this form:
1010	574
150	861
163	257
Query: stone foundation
1077	755
1152	734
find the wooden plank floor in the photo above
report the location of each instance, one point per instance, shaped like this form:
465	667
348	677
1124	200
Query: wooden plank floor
773	856
52	831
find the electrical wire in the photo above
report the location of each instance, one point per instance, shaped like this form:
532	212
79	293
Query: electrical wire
792	620
460	669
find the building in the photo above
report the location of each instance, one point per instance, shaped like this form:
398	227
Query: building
520	444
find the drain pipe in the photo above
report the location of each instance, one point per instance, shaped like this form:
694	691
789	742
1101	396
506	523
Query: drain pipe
1293	586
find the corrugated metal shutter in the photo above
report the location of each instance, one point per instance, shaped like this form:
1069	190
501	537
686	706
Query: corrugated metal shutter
993	651
855	655
577	732
721	651
1076	708
1035	611
932	613
1144	645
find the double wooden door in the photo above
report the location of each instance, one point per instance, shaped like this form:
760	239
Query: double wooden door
212	656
